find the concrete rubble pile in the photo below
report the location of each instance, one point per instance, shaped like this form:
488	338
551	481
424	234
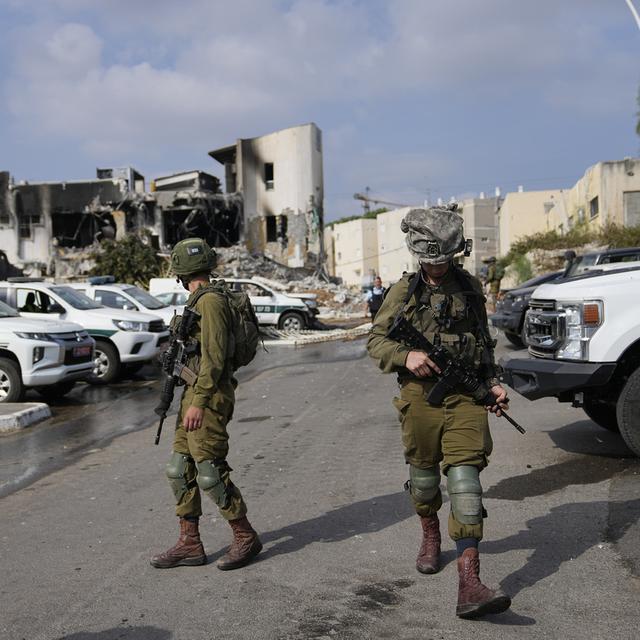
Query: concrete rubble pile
334	300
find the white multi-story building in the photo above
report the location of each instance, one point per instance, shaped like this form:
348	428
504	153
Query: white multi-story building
280	178
355	251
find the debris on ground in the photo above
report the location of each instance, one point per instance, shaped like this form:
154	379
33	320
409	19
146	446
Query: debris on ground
334	300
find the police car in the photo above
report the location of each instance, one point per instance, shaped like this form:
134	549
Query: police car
117	295
122	338
287	311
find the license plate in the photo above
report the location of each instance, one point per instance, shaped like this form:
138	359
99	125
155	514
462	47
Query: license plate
78	352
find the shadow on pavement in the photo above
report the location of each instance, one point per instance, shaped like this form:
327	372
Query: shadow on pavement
366	516
122	633
539	482
583	436
564	534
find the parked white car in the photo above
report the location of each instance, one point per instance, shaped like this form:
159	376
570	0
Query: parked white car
286	311
123	338
106	291
45	354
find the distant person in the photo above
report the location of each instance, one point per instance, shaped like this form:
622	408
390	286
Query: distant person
374	297
494	277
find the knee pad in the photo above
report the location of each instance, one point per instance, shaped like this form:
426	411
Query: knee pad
465	493
424	483
211	481
176	472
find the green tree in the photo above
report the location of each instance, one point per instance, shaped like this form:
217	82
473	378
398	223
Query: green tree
128	260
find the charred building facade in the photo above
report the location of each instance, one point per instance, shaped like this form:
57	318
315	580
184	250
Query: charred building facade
192	204
279	180
43	224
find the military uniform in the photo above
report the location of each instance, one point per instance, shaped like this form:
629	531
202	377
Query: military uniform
446	305
214	391
458	432
200	447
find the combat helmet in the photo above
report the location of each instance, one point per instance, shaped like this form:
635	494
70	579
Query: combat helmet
192	255
435	235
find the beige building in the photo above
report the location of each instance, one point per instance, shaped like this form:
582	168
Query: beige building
524	213
480	217
609	192
393	256
355	251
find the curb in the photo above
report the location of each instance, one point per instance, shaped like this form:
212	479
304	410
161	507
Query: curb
295	338
18	415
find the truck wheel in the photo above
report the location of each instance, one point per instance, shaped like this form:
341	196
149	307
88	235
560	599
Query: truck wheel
602	413
628	412
106	364
55	391
11	387
291	321
514	339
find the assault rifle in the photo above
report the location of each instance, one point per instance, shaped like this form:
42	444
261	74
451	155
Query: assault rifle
174	365
455	371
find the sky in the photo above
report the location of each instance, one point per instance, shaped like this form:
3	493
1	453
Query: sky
417	99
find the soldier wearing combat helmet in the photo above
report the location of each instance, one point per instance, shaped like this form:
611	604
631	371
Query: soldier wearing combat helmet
446	304
198	462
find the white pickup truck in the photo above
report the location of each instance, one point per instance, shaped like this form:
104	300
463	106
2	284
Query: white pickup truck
47	355
123	338
583	335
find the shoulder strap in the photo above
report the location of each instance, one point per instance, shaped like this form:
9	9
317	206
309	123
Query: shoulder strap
414	283
210	288
476	303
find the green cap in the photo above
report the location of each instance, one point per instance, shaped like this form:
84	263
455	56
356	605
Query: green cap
192	255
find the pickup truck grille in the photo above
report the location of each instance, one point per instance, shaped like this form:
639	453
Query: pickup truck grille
545	328
157	326
542	305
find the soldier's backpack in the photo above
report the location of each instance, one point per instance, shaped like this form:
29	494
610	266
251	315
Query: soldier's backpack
245	332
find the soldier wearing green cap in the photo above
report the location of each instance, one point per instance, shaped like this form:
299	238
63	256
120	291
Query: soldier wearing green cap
198	462
446	304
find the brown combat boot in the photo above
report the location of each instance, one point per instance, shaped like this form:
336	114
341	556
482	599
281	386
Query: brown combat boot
245	546
187	552
474	599
428	560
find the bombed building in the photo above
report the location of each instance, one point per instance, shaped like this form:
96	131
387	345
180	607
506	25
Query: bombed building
272	202
279	179
46	223
191	204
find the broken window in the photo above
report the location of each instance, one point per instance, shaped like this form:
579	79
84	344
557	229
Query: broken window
268	176
272	229
594	207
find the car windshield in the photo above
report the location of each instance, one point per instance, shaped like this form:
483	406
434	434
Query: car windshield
7	312
145	299
581	264
76	299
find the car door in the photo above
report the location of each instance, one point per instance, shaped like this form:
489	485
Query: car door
263	301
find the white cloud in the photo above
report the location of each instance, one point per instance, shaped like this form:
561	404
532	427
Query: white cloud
127	79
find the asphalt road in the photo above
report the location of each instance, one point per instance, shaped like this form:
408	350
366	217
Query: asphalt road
315	448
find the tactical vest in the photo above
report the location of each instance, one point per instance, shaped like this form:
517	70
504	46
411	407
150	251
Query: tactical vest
376	301
450	315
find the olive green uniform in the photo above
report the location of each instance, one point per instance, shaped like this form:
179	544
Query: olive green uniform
493	280
213	391
456	433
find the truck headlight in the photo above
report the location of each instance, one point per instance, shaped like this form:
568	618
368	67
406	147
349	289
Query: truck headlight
581	321
131	325
312	304
27	335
